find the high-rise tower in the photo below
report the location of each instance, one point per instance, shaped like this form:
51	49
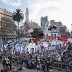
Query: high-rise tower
44	20
27	15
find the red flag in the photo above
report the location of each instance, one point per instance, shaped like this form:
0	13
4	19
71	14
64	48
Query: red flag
50	27
26	32
54	27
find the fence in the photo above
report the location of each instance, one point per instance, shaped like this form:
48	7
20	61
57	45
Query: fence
58	65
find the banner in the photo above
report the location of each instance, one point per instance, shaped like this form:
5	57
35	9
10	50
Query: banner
49	38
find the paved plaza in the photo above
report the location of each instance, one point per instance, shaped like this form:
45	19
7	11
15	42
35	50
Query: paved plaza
32	70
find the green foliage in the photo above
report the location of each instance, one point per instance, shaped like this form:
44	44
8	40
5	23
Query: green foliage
18	15
22	35
67	34
26	26
71	32
35	33
62	30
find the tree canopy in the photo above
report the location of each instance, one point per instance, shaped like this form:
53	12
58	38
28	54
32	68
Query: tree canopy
18	15
62	30
35	33
26	26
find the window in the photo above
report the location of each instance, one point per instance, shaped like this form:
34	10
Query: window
51	34
55	35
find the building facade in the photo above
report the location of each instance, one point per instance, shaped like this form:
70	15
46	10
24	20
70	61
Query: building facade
7	25
53	32
57	24
43	21
33	25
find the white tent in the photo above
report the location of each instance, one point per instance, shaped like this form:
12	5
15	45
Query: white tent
70	40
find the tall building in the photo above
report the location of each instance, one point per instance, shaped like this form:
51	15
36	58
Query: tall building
7	24
43	21
27	15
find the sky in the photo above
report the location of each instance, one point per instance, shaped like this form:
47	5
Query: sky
58	10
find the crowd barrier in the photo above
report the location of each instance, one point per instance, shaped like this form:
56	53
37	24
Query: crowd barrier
58	65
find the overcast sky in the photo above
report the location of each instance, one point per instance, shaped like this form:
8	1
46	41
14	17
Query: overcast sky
59	10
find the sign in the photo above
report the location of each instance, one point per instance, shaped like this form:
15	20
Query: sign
31	30
48	38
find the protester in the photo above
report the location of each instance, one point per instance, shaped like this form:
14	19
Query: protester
43	56
4	63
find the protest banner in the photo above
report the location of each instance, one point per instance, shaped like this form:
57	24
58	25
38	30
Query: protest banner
48	38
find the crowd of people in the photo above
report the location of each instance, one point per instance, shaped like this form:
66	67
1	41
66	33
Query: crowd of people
39	60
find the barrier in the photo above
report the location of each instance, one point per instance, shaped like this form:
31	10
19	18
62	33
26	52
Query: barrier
70	67
63	66
59	65
55	65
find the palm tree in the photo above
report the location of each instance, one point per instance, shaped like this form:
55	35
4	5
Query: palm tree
18	16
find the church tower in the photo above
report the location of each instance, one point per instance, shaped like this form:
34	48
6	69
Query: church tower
27	15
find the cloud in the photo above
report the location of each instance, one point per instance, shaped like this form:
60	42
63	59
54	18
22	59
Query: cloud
28	1
12	2
42	8
60	10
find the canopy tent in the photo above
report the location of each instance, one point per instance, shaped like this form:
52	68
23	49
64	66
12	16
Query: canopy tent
70	40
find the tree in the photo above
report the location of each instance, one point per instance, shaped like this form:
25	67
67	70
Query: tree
22	35
62	30
18	16
26	26
67	34
71	32
35	33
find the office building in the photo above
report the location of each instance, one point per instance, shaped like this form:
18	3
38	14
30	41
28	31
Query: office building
43	21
